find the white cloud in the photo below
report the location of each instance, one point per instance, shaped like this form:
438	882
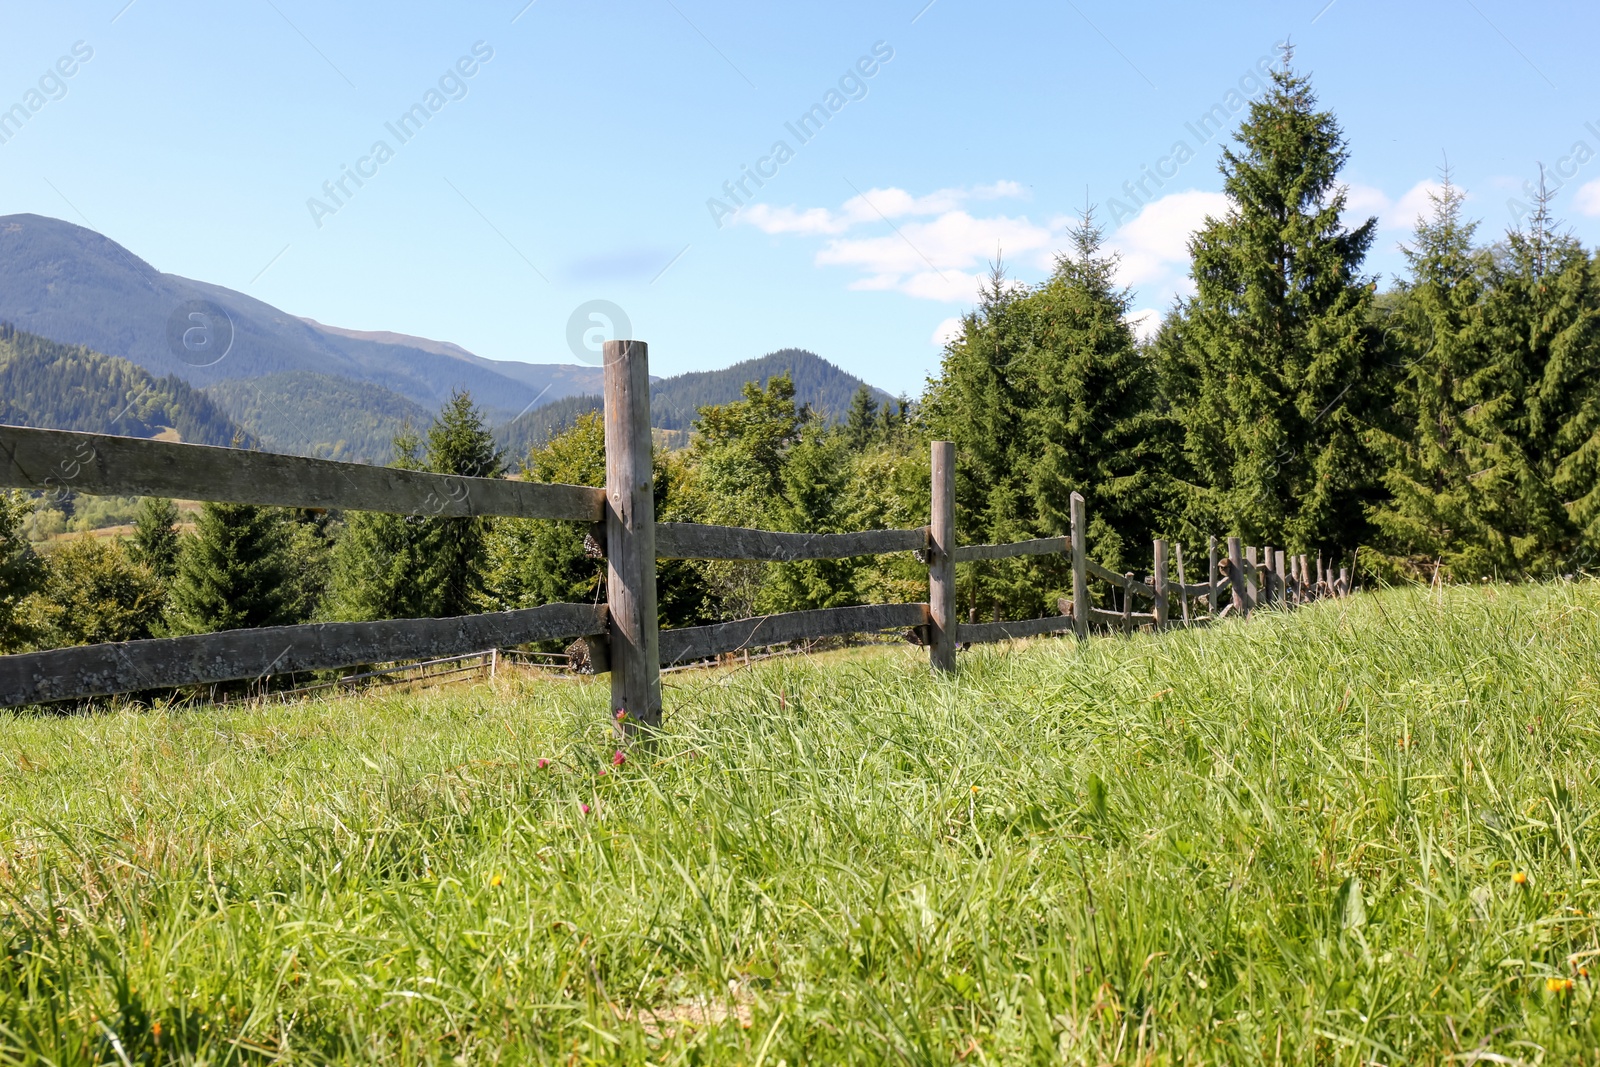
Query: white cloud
1145	322
947	331
874	205
1154	245
1587	199
1364	201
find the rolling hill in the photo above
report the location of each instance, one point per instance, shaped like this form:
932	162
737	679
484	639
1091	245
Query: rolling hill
676	401
321	415
69	387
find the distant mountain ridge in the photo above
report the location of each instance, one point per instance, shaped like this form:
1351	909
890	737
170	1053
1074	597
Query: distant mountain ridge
75	286
675	402
294	384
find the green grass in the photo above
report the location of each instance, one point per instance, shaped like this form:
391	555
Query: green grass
1288	841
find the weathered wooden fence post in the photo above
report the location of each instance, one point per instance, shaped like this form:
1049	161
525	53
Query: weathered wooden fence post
1241	591
1183	592
942	560
1280	578
1080	567
1252	576
1215	576
1159	584
635	651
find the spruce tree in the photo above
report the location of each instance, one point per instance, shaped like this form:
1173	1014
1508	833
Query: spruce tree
1285	360
1436	321
155	536
20	573
861	425
377	561
453	549
1539	404
1094	418
978	402
234	572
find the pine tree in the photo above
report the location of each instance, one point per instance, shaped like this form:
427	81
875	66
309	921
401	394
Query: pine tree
816	475
978	402
95	592
861	426
1094	416
377	561
155	536
1437	324
234	572
453	549
1539	403
1286	362
20	573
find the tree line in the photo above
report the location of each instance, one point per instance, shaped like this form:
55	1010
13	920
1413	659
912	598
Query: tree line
1448	425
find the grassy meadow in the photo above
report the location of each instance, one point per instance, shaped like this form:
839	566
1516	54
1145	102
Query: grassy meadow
1361	833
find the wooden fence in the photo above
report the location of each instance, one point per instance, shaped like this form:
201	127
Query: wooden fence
622	636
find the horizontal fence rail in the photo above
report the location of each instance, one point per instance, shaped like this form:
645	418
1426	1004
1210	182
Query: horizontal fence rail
977	633
1042	546
703	642
231	655
55	460
688	540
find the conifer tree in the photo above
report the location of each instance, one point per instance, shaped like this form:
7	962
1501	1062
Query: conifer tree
1539	403
1437	325
95	592
815	477
978	402
861	425
453	549
1285	361
234	572
377	561
1093	417
20	573
155	536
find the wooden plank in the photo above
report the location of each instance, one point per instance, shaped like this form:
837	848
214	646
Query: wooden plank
1214	575
1183	588
1120	619
1235	576
1124	581
689	540
1042	546
1080	563
1159	581
701	642
103	670
942	564
982	632
58	460
631	539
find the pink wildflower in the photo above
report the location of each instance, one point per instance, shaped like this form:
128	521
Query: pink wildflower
584	808
543	763
619	759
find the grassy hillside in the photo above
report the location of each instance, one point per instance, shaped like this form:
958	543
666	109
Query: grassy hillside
320	414
1365	832
69	387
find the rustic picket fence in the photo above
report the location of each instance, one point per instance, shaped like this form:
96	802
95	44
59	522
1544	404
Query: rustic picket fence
622	635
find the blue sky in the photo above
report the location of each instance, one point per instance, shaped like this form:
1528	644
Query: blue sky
580	159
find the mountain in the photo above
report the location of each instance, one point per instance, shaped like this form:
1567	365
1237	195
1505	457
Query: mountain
71	284
68	387
321	415
676	402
